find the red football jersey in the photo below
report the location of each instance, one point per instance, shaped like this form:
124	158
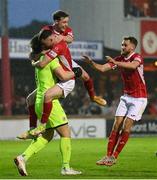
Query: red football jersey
134	83
68	30
61	49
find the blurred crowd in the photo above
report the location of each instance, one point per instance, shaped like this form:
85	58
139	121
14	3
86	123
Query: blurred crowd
108	86
140	8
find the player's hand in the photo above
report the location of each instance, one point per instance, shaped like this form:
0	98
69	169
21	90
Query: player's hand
87	59
58	38
77	71
34	57
38	130
110	59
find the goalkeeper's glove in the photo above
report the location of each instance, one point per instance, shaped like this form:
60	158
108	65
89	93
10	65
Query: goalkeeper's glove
77	71
38	130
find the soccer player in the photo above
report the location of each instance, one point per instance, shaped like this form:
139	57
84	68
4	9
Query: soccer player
45	79
63	88
61	28
132	103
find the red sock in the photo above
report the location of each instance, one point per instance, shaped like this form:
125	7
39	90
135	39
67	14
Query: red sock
121	143
46	111
90	87
112	142
32	116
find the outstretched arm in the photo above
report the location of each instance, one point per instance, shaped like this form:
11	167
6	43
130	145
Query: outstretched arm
127	65
96	66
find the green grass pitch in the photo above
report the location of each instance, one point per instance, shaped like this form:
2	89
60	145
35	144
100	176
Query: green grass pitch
136	161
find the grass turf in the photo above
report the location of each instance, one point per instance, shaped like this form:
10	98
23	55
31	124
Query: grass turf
136	161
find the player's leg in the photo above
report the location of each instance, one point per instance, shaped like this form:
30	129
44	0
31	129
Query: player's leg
61	89
65	144
35	146
122	140
124	136
114	135
65	148
136	107
112	141
52	93
89	85
30	100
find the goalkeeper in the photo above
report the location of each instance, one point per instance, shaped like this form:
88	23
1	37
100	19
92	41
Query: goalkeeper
45	79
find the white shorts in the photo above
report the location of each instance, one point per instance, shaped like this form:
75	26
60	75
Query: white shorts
131	107
74	64
67	86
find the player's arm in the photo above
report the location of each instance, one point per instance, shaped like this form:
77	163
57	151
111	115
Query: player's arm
96	66
34	58
68	36
69	39
49	55
127	65
65	75
41	64
46	60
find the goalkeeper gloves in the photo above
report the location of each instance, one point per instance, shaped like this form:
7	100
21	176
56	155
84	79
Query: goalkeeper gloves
38	130
77	71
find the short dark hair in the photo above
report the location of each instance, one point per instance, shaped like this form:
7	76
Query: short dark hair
43	34
57	15
132	39
35	44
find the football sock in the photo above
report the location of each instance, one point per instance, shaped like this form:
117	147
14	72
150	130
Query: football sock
32	116
46	111
90	87
34	147
121	143
112	142
65	148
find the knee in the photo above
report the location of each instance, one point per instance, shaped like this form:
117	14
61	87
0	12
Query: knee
126	129
66	133
48	135
48	96
128	125
116	127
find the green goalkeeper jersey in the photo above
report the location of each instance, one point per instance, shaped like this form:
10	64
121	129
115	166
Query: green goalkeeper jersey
45	78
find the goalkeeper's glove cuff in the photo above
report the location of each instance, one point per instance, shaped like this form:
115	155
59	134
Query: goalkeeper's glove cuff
77	71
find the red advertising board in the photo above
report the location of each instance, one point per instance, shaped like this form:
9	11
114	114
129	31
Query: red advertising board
149	38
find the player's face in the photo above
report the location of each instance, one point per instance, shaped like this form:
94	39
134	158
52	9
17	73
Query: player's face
126	47
49	41
62	24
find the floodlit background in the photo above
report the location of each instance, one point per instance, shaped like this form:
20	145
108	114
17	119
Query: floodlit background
98	26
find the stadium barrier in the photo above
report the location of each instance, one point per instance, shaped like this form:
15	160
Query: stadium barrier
80	128
145	127
85	127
